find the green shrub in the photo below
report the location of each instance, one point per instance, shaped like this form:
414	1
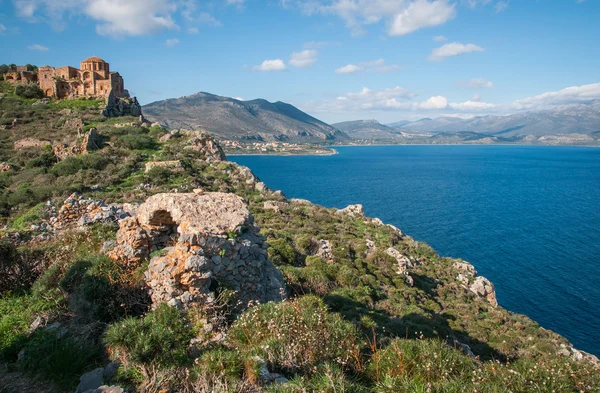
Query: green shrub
61	360
329	378
160	338
135	142
94	161
419	363
29	91
16	314
32	216
68	166
281	253
296	335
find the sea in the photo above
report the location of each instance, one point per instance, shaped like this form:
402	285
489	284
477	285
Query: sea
527	217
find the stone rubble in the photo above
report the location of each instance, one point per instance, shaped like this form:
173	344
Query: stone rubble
209	241
80	211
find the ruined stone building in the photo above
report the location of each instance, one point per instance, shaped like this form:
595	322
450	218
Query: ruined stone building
93	78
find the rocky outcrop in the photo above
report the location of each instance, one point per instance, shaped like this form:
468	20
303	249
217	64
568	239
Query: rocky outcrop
404	264
117	107
276	206
353	211
206	145
90	141
209	241
479	285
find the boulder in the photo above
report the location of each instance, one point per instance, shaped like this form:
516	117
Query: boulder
121	106
482	287
353	211
210	242
90	381
174	166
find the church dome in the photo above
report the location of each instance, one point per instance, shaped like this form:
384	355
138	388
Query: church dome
93	59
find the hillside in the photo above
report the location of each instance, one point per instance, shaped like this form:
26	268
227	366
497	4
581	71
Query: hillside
367	130
140	258
228	118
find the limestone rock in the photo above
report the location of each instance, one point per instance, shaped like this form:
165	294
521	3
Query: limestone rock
117	107
210	240
174	166
353	211
404	263
325	250
482	287
275	205
206	145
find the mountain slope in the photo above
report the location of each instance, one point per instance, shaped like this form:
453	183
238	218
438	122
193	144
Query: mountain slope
367	130
229	118
567	119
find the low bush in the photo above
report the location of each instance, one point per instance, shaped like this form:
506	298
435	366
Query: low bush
296	335
135	142
160	338
19	268
59	359
29	91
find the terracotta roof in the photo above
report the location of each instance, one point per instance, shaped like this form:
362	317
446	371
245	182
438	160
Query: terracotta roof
94	59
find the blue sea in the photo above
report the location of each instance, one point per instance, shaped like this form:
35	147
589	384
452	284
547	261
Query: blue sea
528	218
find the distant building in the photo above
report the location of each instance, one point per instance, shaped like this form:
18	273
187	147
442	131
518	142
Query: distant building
93	78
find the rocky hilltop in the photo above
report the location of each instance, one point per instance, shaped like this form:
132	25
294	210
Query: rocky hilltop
149	263
229	118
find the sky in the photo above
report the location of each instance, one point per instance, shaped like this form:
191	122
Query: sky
338	60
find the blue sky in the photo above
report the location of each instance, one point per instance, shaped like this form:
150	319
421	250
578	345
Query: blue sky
336	59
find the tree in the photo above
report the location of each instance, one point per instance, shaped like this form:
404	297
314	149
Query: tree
29	91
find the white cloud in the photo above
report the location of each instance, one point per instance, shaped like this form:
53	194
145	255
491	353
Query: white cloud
38	47
378	65
270	65
401	16
171	42
303	59
207	19
349	69
235	2
472	105
420	14
453	49
2	28
193	30
478	83
501	6
569	95
440	38
115	18
437	102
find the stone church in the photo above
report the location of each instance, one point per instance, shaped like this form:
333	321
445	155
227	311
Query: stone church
93	78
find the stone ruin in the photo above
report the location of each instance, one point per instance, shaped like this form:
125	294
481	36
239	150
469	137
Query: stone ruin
209	240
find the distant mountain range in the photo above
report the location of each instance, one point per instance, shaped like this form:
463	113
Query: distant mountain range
568	124
567	119
229	118
260	120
